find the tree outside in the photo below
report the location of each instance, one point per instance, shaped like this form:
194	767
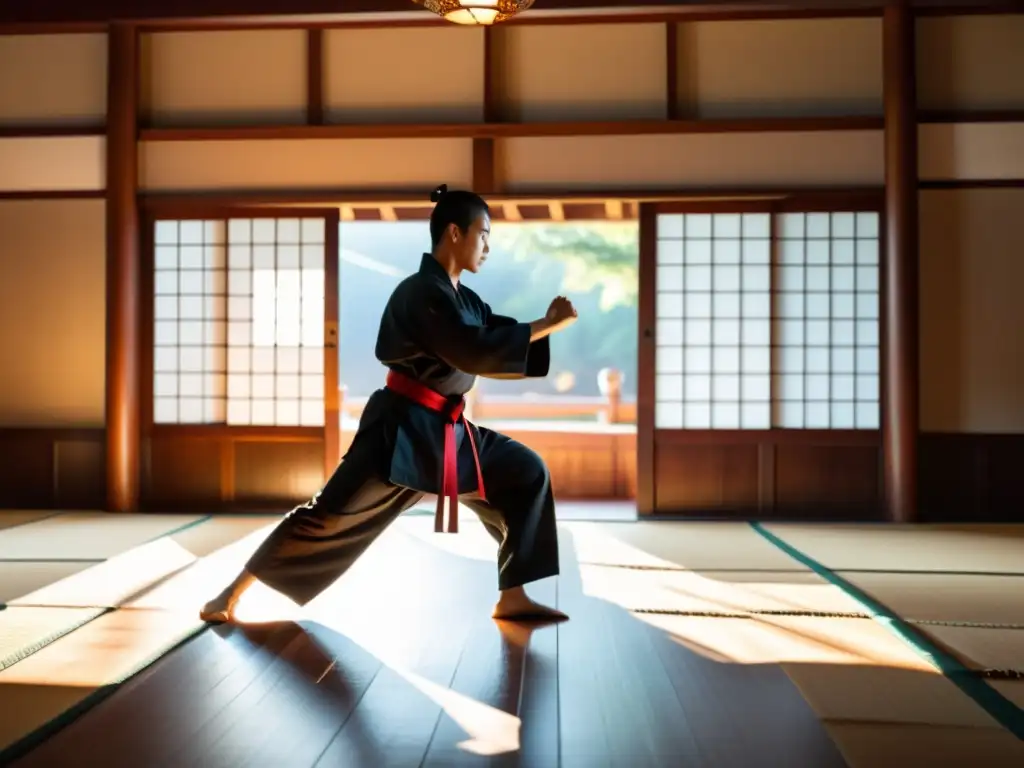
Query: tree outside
595	264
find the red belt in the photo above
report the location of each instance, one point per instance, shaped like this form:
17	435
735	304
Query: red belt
453	412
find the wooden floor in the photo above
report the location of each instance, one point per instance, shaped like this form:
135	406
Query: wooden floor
689	644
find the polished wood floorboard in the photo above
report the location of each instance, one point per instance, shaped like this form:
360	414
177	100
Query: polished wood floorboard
399	664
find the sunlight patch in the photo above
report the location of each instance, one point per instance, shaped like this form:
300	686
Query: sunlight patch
187	590
785	639
472	541
491	731
111	582
689	591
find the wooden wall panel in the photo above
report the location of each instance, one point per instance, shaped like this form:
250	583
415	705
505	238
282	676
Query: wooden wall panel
971	151
705	479
52	468
223	78
971	477
52	313
217	470
972	314
26	469
813	481
277	472
79	471
732	160
52	163
769	475
404	75
180	472
53	80
580	72
360	164
970	62
779	68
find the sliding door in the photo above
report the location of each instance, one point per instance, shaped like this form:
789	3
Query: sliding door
760	326
240	381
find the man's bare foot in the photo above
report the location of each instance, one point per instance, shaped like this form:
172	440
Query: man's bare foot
220	610
515	605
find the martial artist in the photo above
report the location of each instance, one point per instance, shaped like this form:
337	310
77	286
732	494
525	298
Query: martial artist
436	336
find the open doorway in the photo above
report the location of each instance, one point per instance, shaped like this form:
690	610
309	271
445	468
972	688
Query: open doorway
581	418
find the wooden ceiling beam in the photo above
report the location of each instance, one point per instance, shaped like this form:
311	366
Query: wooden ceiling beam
186	203
540	210
509	130
511	211
23	16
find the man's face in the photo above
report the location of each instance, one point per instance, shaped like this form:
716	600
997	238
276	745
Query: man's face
472	246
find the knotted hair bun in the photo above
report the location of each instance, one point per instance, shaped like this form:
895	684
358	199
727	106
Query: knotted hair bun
438	193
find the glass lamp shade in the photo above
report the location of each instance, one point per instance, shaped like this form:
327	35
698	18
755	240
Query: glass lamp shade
475	11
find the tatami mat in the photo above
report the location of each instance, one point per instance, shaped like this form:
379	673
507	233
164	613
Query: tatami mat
946	597
906	548
188	590
111	582
24	631
727	592
221	531
12	517
887	695
86	535
880	745
689	545
66	672
132	573
20	578
981	648
859	644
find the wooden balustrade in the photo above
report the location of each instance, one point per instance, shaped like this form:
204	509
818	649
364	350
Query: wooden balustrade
607	408
540	408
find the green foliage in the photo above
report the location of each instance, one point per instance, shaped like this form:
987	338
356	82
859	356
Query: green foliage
595	255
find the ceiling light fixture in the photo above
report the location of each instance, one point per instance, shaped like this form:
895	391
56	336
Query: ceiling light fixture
471	12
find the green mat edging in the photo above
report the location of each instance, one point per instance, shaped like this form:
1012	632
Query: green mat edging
173	531
1001	709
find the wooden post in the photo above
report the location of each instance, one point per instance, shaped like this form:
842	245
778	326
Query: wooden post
123	280
900	275
485	176
315	76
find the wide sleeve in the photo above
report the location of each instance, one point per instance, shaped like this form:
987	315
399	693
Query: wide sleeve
499	351
538	357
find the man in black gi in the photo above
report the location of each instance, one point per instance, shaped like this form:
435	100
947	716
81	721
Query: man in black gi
436	336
